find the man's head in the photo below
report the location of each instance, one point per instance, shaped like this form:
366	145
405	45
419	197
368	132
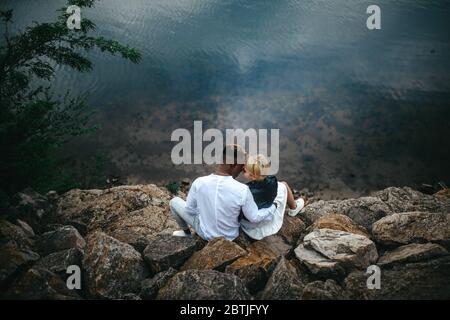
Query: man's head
233	159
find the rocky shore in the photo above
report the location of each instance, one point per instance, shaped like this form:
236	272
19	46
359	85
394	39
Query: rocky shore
121	240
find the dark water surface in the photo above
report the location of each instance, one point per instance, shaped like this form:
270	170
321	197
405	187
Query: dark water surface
358	110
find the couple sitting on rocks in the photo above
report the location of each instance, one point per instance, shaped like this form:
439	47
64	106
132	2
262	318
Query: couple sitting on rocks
218	205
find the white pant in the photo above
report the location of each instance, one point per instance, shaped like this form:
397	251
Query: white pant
184	220
261	230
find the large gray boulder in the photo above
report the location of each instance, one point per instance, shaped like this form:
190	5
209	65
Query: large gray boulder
413	252
63	238
112	268
20	235
151	286
349	249
216	255
408	200
323	290
255	267
318	264
204	285
130	213
427	280
165	251
13	259
410	227
284	284
58	262
363	211
39	284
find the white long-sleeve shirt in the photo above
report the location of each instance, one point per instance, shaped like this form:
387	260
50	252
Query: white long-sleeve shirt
218	200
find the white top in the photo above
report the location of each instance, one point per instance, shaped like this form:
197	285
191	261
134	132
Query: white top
218	200
264	229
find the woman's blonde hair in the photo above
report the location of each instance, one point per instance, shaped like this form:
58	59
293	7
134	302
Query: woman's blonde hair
257	166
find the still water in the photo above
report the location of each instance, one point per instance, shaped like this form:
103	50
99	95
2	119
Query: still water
357	109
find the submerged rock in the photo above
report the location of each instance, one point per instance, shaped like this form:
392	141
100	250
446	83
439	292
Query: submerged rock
410	227
165	251
112	268
204	285
216	255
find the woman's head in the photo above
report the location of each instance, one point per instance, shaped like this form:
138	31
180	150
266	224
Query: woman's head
256	167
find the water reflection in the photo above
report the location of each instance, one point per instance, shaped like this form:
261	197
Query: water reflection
357	109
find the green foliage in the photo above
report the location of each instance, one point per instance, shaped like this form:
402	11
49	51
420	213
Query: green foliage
173	187
33	122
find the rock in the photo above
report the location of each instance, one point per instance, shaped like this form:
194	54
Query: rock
351	250
409	227
130	296
291	229
150	287
40	284
276	244
58	262
11	233
112	268
243	240
255	267
319	264
429	280
165	251
29	201
412	253
409	200
284	283
28	231
320	290
338	222
216	255
13	259
443	195
138	241
31	207
363	211
63	238
204	285
142	210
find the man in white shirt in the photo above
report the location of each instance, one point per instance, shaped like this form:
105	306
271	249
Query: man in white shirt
214	202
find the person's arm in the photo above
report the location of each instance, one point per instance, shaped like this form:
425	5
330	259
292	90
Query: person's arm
191	200
251	211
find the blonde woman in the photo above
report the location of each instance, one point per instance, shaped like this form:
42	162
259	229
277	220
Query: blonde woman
266	190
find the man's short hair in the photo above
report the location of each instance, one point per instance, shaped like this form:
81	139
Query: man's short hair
233	154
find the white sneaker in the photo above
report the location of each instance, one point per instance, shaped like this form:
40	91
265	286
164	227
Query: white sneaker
300	205
181	233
